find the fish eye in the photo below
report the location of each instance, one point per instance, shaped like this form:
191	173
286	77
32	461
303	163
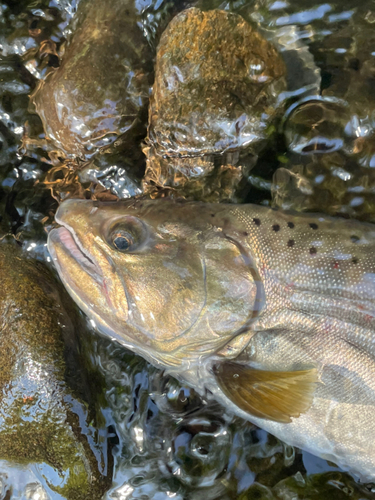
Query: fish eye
126	235
122	240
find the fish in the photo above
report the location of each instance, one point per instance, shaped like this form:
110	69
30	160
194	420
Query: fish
269	312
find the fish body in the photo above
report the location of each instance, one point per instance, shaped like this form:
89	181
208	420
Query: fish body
271	312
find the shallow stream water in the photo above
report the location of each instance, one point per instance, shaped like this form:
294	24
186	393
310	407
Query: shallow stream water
164	441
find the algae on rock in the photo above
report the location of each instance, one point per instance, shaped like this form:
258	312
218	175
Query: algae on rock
217	82
102	84
43	421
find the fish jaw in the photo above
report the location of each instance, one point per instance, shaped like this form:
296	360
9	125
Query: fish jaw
67	254
76	266
97	284
84	269
63	237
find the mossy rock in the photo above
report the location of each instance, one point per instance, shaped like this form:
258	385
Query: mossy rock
43	421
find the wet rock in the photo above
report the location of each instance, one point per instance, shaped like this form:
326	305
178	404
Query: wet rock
48	440
324	486
331	138
215	93
97	100
355	84
257	491
333	183
317	125
102	84
349	62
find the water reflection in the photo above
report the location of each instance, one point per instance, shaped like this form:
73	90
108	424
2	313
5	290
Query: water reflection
317	125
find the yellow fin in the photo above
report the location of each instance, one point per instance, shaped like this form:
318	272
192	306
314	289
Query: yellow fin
273	395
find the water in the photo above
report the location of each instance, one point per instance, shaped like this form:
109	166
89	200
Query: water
166	442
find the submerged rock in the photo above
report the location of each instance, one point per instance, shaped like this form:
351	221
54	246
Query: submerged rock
172	443
97	100
327	169
332	183
102	84
325	486
331	138
217	81
47	437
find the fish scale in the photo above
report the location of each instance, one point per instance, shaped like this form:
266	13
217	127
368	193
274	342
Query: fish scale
297	281
338	267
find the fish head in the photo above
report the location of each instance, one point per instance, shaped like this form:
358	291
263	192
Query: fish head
159	276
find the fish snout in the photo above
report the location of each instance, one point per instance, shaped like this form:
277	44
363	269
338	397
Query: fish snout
72	210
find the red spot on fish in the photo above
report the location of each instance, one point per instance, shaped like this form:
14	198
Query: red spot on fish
336	265
106	293
288	287
327	327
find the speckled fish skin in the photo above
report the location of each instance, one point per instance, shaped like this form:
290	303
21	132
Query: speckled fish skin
303	285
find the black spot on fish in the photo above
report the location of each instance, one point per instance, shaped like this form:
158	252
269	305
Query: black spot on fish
354	238
313	225
291	243
313	250
355	260
257	222
291	225
245	233
276	227
212	215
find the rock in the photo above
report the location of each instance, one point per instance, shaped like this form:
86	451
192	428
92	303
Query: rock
327	485
102	84
333	183
45	426
331	138
215	93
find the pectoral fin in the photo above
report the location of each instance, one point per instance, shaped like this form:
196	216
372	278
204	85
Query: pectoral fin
267	394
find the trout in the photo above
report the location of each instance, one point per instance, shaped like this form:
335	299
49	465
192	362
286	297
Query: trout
270	313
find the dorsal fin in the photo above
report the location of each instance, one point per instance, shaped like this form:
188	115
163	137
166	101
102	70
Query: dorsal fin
275	395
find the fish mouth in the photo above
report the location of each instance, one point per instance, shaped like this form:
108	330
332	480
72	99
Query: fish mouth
65	238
